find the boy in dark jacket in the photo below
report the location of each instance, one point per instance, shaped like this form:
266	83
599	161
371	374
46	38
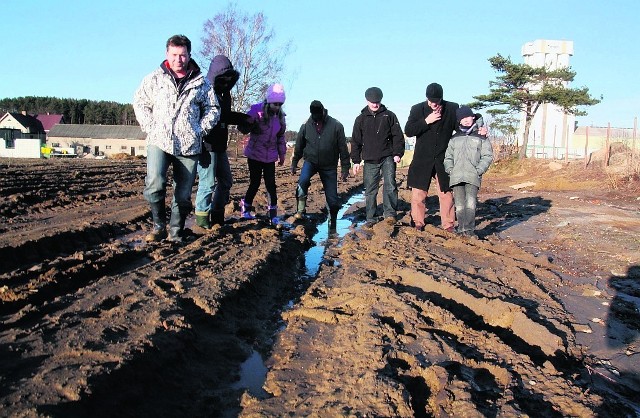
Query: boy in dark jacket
468	157
377	144
214	172
321	142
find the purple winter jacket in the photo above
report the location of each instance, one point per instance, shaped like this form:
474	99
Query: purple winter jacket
266	140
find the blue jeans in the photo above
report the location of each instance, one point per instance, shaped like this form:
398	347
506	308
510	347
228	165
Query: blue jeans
184	175
214	184
329	178
371	174
465	196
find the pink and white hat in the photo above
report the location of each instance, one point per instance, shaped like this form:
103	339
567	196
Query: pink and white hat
275	93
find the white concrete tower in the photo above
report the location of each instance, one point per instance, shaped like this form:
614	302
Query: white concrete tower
551	127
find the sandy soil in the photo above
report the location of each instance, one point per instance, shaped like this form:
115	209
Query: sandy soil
539	316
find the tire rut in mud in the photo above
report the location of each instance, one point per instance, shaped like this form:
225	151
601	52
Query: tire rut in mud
170	326
445	326
34	186
92	319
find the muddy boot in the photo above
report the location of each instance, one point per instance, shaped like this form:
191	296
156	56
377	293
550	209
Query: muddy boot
246	209
333	220
159	215
176	224
202	220
273	215
302	208
217	217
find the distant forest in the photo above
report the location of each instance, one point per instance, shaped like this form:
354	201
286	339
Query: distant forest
78	111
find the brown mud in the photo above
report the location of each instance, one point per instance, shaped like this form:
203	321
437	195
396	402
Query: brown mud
538	316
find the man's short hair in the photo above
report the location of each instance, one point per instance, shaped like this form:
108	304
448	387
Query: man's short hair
179	40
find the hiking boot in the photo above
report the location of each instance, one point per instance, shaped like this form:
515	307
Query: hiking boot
369	224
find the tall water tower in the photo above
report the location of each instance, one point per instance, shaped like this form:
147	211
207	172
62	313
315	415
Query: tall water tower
551	129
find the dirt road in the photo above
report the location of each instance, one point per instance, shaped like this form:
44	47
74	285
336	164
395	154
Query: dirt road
538	317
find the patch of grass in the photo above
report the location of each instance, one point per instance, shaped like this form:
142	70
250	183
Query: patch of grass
507	166
561	183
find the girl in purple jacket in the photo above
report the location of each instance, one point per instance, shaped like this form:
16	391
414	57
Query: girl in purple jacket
266	145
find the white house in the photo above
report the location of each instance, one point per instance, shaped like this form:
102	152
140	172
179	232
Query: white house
21	135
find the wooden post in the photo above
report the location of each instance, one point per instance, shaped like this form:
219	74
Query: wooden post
586	147
607	150
533	152
566	141
633	142
553	154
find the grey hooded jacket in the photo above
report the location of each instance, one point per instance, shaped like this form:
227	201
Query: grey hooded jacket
467	158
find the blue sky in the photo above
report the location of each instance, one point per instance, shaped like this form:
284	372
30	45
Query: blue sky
101	50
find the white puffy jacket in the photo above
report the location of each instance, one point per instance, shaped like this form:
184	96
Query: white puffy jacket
176	121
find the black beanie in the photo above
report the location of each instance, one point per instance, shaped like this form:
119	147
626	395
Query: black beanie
464	112
434	92
373	95
316	107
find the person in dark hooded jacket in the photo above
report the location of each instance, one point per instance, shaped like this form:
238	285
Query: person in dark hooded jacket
214	172
377	144
322	143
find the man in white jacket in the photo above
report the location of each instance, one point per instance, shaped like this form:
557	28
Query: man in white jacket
175	106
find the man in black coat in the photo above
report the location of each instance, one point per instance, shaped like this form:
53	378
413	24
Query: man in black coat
432	123
377	145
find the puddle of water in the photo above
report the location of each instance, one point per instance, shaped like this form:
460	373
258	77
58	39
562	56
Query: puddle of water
314	255
253	374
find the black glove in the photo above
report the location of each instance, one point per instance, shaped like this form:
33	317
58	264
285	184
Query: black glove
293	169
344	175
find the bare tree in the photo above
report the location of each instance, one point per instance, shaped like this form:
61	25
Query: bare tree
250	45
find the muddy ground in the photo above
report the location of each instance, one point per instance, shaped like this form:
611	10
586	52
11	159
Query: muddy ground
539	316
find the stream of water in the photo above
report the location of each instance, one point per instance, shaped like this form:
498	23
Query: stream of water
253	372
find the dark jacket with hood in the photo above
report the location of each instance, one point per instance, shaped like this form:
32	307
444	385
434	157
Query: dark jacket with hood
223	77
431	144
323	148
376	136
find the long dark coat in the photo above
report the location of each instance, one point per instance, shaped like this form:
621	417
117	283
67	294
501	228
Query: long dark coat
431	144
